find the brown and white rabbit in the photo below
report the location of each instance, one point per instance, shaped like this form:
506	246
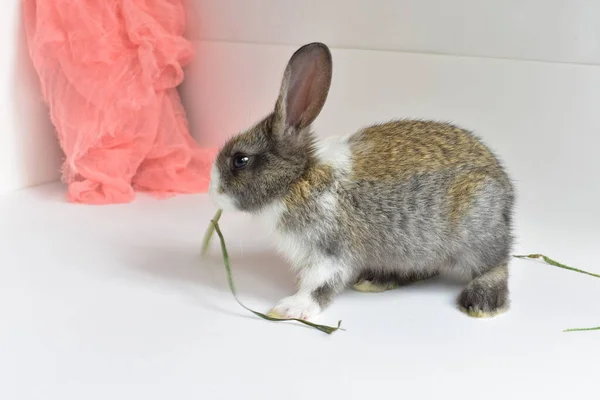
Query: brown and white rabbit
391	204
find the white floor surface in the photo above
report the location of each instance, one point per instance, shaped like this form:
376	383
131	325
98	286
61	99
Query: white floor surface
115	303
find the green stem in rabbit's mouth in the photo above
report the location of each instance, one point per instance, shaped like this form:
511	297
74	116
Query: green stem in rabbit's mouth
214	227
210	231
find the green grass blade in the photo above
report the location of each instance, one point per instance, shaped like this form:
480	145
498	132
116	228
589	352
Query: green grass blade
597	328
209	232
550	261
555	263
214	223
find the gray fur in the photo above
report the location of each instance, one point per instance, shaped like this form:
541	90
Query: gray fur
408	234
395	278
273	167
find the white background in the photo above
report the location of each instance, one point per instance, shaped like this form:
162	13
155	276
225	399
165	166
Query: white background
29	153
114	302
548	30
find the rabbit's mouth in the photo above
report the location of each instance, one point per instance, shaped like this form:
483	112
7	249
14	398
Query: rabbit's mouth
221	199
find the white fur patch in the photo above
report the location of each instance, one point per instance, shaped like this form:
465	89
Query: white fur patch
299	306
328	203
323	270
302	305
291	246
223	201
297	248
271	214
294	248
335	151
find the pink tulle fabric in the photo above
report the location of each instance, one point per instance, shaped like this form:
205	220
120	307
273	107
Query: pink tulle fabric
109	71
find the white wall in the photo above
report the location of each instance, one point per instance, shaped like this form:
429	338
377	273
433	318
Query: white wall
549	30
540	116
29	153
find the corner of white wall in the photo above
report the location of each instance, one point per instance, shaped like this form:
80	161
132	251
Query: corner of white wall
29	151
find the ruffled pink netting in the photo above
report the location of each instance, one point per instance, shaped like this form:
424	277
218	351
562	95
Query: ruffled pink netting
109	71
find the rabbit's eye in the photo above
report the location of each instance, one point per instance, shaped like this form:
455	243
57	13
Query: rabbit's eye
240	161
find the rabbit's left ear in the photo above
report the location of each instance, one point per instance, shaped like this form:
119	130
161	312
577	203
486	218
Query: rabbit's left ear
304	88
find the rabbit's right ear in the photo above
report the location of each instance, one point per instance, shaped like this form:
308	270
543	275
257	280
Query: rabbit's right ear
304	89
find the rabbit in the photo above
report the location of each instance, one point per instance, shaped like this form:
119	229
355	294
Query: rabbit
391	204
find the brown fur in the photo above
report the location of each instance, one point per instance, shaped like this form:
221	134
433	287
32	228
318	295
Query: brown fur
314	180
412	147
462	192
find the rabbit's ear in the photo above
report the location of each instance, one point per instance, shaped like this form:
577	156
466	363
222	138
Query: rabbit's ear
304	88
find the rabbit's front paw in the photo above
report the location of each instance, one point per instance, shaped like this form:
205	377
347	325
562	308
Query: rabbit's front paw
297	306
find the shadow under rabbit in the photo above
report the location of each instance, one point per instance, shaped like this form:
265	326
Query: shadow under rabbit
260	274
